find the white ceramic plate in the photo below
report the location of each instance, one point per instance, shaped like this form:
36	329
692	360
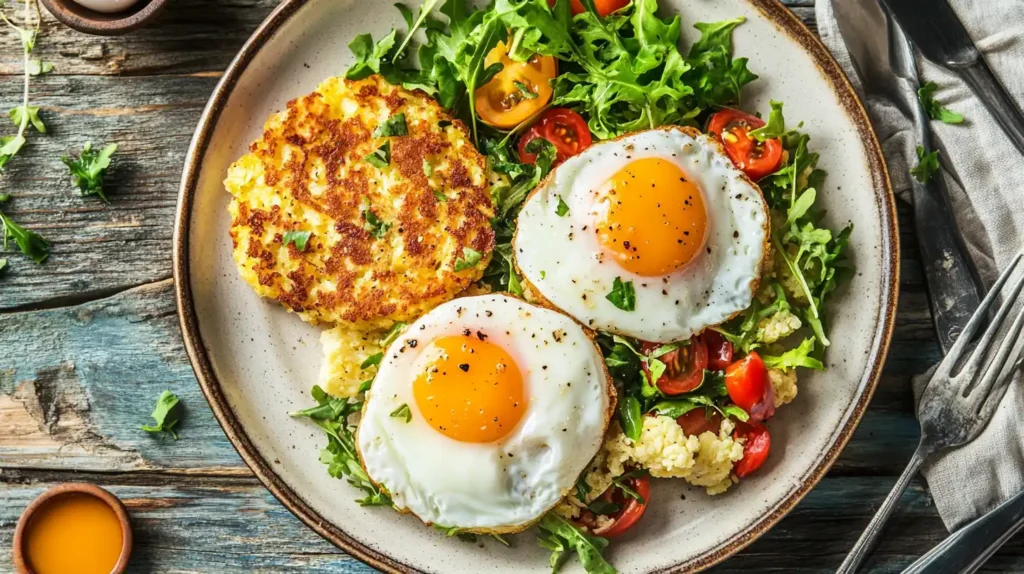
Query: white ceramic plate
256	362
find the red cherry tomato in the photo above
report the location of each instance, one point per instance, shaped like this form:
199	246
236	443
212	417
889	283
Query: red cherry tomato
684	367
604	7
750	388
756	159
631	509
699	421
719	350
564	128
755	451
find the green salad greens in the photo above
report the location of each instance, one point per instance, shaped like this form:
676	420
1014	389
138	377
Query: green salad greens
622	72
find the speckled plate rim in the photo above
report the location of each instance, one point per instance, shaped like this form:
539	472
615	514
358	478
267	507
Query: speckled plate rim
787	23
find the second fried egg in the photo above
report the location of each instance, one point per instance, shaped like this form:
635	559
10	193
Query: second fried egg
656	235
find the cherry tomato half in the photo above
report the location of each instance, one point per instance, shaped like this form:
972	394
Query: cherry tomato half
756	159
719	350
518	91
564	128
750	388
604	7
631	509
684	367
755	451
698	421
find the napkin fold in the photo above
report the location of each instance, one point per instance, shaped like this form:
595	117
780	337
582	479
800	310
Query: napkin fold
984	173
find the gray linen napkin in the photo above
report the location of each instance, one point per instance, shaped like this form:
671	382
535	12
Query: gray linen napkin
985	183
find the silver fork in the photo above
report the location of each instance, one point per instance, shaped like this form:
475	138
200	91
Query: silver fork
960	398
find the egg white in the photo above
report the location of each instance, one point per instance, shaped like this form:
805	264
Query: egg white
506	485
562	259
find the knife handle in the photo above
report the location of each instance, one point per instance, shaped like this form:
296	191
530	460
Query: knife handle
999	103
967	549
952	292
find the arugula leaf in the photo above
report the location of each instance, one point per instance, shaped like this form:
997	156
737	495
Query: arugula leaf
603	507
30	243
166	414
675	408
927	165
392	334
402	412
90	169
582	488
393	126
425	9
372	360
331	415
716	77
936	111
774	128
798	357
470	257
369	56
559	535
381	158
622	294
17	116
299	238
562	208
631	417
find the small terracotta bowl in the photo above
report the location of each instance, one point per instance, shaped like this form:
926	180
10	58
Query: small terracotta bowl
76	16
21	560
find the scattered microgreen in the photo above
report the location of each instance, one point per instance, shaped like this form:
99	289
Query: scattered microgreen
27	32
393	126
381	157
622	294
90	168
440	196
774	128
166	414
936	111
525	90
428	168
371	222
562	538
562	208
17	114
927	165
372	360
402	412
30	243
298	238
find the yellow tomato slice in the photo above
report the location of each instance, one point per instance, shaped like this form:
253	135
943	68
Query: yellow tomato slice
505	101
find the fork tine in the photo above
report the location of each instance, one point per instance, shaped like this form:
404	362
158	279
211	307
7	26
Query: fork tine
960	346
992	383
970	370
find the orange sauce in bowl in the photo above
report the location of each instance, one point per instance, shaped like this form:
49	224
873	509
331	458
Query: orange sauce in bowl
73	532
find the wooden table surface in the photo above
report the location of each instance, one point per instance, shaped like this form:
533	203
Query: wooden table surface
88	340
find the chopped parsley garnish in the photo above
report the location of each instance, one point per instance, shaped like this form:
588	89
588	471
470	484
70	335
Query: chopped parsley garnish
440	196
29	242
331	415
166	415
622	295
562	208
428	169
372	360
927	165
470	257
525	90
371	223
935	110
774	128
299	238
382	157
402	412
393	126
90	168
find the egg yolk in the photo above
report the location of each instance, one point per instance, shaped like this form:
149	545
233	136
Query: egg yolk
470	389
652	219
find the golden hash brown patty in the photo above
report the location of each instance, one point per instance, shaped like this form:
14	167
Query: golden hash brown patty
383	239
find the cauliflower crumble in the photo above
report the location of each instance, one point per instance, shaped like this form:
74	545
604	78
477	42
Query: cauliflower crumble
704	460
778	326
784	384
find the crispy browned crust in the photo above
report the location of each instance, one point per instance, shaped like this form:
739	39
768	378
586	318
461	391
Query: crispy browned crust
539	299
429	234
612	403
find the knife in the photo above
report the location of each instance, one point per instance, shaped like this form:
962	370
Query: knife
880	51
938	33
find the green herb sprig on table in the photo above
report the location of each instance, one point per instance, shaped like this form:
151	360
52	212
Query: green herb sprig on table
90	168
24	114
166	414
29	242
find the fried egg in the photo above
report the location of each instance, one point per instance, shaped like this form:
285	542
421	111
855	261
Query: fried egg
663	214
484	412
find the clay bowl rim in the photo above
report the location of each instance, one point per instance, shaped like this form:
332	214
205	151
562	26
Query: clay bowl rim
81	18
127	541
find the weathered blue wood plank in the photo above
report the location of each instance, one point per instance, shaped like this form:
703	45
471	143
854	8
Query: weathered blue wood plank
76	383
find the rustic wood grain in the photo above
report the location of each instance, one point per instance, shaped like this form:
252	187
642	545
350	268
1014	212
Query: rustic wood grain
88	340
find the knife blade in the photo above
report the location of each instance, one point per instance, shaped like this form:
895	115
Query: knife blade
934	28
878	47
